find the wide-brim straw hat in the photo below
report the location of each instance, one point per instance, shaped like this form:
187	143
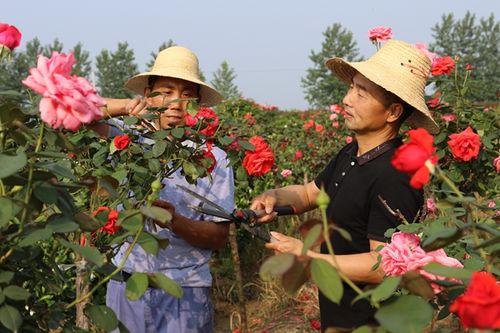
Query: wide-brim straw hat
397	67
180	63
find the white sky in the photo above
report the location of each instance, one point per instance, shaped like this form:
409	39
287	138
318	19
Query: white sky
267	42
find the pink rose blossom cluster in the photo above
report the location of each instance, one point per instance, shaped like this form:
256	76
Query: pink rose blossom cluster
67	100
380	34
404	254
496	164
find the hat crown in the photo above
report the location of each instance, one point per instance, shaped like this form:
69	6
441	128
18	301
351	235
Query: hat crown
178	58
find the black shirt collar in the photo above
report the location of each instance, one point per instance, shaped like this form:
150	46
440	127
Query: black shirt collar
373	153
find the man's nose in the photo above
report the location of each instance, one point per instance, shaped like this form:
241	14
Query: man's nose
176	102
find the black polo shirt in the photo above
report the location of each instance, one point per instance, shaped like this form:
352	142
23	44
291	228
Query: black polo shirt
354	184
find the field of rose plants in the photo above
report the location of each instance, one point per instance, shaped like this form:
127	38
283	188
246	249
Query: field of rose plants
65	203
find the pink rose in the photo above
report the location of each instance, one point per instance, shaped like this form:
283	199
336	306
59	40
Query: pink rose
380	34
448	117
403	250
348	139
430	205
67	101
491	204
335	108
286	173
432	103
298	155
423	47
10	37
319	128
496	164
308	124
333	116
335	124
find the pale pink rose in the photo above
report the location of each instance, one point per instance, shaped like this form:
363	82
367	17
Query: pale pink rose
423	47
348	139
335	124
286	172
491	204
333	116
440	257
403	250
431	205
335	108
448	117
319	128
380	34
496	164
67	101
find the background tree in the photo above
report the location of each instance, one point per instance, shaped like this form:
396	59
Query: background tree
476	43
83	66
321	88
223	81
114	69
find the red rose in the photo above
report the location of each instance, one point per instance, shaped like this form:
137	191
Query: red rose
298	155
432	103
415	157
319	128
10	37
250	119
121	141
315	324
308	125
110	227
468	67
207	154
209	119
465	145
260	161
479	305
442	66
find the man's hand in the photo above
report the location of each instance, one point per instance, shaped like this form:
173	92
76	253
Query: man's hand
284	244
266	201
167	206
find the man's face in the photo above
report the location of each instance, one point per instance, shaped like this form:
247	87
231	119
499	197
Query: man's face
365	107
174	95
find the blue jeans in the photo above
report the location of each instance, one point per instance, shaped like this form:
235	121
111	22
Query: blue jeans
158	312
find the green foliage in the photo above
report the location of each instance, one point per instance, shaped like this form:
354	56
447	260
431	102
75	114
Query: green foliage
475	43
114	69
163	46
321	87
223	81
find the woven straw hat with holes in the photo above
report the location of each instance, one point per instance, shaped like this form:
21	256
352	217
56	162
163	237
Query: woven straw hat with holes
180	63
397	67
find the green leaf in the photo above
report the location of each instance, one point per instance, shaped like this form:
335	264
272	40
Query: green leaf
12	163
57	168
295	276
328	280
157	213
102	316
35	236
154	165
159	148
6	211
363	329
130	220
89	253
130	120
312	236
10	317
2	297
246	145
165	283
385	290
441	239
417	284
450	272
87	222
177	132
100	157
16	293
119	175
407	313
148	243
190	169
136	286
63	224
344	233
226	140
276	266
6	276
45	192
122	328
241	174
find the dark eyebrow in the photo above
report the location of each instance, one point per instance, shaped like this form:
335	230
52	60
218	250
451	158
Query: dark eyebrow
360	86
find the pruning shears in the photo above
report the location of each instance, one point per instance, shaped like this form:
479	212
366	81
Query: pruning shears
246	218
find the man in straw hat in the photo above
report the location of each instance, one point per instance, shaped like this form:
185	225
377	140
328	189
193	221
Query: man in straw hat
384	91
175	77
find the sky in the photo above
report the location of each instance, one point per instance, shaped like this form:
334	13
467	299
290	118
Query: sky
266	42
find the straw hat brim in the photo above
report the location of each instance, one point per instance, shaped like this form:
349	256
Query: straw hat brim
382	77
208	95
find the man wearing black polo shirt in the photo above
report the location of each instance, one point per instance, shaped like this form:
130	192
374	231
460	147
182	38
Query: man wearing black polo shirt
384	91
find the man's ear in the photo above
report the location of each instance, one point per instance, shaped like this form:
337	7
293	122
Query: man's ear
395	112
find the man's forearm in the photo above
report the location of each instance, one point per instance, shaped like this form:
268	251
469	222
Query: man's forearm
115	107
203	234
